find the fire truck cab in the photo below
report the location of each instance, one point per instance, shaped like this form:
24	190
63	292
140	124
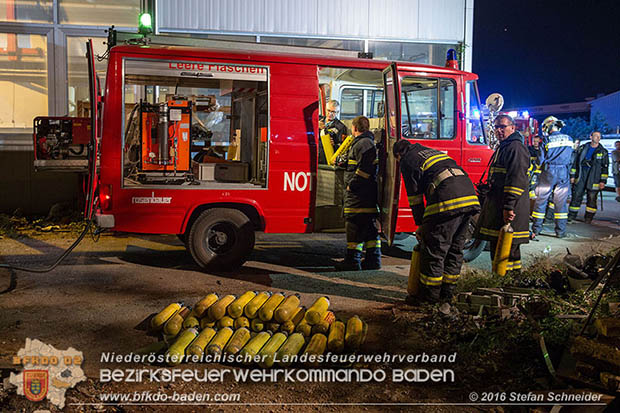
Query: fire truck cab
214	144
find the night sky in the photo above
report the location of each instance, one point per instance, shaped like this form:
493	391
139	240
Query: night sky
546	52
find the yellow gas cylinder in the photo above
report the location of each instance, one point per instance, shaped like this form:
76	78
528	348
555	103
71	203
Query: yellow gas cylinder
225	322
322	327
174	324
251	349
177	350
257	325
191	321
316	312
203	305
218	310
267	353
235	309
502	250
286	309
291	347
164	315
316	347
413	285
344	146
242	322
328	148
199	344
237	341
335	340
273	327
217	344
251	308
289	326
354	332
304	328
206	323
266	311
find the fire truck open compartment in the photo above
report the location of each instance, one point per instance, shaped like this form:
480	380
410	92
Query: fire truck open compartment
189	129
359	92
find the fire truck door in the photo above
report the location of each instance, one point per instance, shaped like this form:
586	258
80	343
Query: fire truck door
389	181
95	100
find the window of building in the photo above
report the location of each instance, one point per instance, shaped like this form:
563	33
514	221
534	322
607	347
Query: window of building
433	53
26	11
421	104
23	79
324	43
77	73
99	12
195	123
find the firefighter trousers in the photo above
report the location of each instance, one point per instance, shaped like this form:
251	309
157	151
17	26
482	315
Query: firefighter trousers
554	182
441	254
363	234
575	204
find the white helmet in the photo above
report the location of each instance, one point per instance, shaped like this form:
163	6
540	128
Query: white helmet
550	122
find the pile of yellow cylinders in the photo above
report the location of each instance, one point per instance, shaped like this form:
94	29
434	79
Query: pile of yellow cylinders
260	327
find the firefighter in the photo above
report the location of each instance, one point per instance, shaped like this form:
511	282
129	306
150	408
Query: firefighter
360	201
534	170
332	126
555	163
507	200
443	223
589	174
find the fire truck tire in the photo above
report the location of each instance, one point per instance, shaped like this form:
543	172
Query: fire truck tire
473	247
221	239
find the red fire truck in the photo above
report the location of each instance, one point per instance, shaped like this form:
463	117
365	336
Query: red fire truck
213	144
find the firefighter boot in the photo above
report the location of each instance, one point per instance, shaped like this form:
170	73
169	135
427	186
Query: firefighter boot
588	217
373	255
426	295
447	292
352	261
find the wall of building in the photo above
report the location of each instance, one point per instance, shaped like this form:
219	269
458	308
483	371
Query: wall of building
43	71
608	106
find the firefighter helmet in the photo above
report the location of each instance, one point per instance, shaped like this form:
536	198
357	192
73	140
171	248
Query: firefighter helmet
550	122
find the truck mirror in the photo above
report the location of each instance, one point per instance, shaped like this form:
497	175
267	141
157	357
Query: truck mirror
495	102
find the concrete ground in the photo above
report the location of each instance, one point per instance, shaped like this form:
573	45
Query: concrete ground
98	297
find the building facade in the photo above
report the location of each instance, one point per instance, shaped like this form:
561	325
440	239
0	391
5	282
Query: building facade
43	71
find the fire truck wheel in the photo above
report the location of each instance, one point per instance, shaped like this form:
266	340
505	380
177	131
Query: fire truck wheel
473	247
221	239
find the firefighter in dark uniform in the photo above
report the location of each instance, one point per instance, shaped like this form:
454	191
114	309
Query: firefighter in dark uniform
443	222
554	180
360	201
332	126
507	200
589	174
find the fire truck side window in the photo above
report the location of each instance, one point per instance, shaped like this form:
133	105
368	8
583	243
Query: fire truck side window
419	108
472	116
447	108
195	123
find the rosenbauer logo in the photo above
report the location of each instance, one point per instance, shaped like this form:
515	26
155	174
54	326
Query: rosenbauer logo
151	199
